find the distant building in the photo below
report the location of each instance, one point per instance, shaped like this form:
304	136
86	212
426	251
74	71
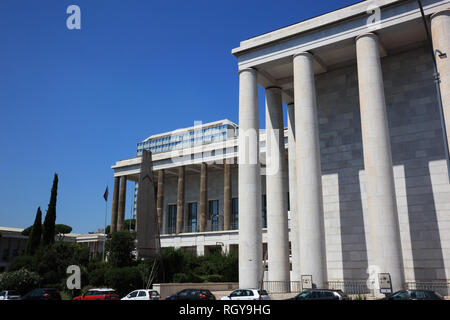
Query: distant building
13	243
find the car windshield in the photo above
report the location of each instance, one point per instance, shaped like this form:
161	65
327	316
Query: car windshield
105	292
185	293
304	295
35	293
400	295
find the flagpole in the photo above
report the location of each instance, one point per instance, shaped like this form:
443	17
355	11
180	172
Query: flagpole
104	230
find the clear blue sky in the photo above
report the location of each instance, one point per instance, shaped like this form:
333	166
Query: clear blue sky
76	101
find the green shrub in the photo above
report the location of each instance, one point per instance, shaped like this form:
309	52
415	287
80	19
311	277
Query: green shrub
53	260
181	278
65	295
182	266
120	246
97	277
23	262
212	278
21	280
123	280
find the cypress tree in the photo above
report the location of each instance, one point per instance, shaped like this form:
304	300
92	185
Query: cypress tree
34	240
48	236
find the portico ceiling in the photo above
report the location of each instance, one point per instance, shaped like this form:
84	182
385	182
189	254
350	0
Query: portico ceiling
332	44
340	54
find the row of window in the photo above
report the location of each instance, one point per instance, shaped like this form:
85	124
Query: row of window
6	254
182	144
213	215
185	137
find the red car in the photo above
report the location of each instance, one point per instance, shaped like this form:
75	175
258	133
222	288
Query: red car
99	294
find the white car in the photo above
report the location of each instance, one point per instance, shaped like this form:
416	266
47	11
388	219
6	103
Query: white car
142	294
9	295
247	294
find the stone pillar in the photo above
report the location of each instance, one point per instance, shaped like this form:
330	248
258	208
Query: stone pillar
180	200
203	196
295	249
226	196
160	198
385	245
200	250
122	202
250	216
115	203
440	31
309	172
277	220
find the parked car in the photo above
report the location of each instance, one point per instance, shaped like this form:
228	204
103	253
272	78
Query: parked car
192	294
247	294
321	294
9	295
142	294
414	295
42	294
99	294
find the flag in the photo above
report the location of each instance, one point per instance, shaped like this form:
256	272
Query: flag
105	195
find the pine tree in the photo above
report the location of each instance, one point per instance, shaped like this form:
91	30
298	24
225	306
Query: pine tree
34	240
48	235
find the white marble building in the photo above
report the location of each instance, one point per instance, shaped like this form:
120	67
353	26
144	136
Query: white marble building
364	159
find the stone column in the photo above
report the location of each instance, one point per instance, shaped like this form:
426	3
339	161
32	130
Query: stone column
122	201
226	196
277	220
203	196
250	216
385	245
114	207
295	249
440	31
180	200
200	250
160	198
309	172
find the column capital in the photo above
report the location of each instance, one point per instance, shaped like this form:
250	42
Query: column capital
367	34
247	69
273	88
304	53
443	11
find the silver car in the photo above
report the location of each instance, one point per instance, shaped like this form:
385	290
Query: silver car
247	294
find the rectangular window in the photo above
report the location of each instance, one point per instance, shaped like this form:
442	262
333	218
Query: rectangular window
264	211
288	202
234	213
172	216
5	255
213	211
192	217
